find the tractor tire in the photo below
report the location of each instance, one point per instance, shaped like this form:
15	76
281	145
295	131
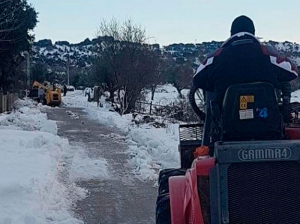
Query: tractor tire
164	172
163	212
163	178
192	100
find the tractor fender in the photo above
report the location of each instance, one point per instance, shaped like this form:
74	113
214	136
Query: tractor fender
203	165
184	199
192	206
292	132
177	187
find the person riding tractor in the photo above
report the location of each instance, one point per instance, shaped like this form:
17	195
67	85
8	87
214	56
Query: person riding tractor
243	59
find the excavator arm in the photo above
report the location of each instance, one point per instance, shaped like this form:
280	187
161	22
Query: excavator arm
39	85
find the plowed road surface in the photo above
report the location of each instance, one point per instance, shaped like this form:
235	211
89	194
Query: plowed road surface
121	199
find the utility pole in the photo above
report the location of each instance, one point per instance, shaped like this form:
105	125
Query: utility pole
68	69
28	68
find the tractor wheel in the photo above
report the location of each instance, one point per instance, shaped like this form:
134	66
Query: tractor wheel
163	212
164	171
196	98
163	179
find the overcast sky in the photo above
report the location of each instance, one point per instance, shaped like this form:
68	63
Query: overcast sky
167	21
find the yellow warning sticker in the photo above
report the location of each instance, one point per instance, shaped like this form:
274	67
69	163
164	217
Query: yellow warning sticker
243	99
243	106
250	99
247	99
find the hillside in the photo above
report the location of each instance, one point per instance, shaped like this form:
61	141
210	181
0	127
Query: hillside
81	54
56	60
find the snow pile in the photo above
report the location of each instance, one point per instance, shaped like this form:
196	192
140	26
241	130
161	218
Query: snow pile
150	148
295	96
31	169
85	168
28	116
34	167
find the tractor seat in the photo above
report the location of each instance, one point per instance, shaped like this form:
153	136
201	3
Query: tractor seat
251	111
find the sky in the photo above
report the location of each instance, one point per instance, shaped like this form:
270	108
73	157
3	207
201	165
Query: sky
167	21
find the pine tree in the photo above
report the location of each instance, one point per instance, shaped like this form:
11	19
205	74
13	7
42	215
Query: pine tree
17	18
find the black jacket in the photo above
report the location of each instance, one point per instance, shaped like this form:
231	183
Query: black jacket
243	59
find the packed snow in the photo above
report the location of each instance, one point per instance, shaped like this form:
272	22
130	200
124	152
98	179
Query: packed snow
150	149
39	169
32	166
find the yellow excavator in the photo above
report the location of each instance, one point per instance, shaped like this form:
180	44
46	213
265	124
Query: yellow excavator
46	93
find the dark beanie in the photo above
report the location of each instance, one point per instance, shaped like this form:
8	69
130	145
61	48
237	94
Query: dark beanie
242	24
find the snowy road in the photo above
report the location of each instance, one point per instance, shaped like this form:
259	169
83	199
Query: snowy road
118	198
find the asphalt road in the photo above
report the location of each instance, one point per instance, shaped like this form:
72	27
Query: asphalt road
121	199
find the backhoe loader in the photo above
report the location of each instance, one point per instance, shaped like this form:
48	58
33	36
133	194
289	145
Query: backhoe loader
46	93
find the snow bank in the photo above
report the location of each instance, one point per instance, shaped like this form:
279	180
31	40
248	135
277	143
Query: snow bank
38	169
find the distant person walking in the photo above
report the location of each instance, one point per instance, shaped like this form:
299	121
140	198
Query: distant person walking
97	95
65	90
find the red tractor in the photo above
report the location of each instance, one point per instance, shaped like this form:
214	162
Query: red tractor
251	176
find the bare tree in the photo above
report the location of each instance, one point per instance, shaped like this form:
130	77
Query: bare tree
158	75
183	77
127	59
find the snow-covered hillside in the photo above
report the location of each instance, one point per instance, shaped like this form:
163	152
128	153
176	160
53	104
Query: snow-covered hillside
81	54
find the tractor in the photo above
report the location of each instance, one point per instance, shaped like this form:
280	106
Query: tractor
46	93
252	172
